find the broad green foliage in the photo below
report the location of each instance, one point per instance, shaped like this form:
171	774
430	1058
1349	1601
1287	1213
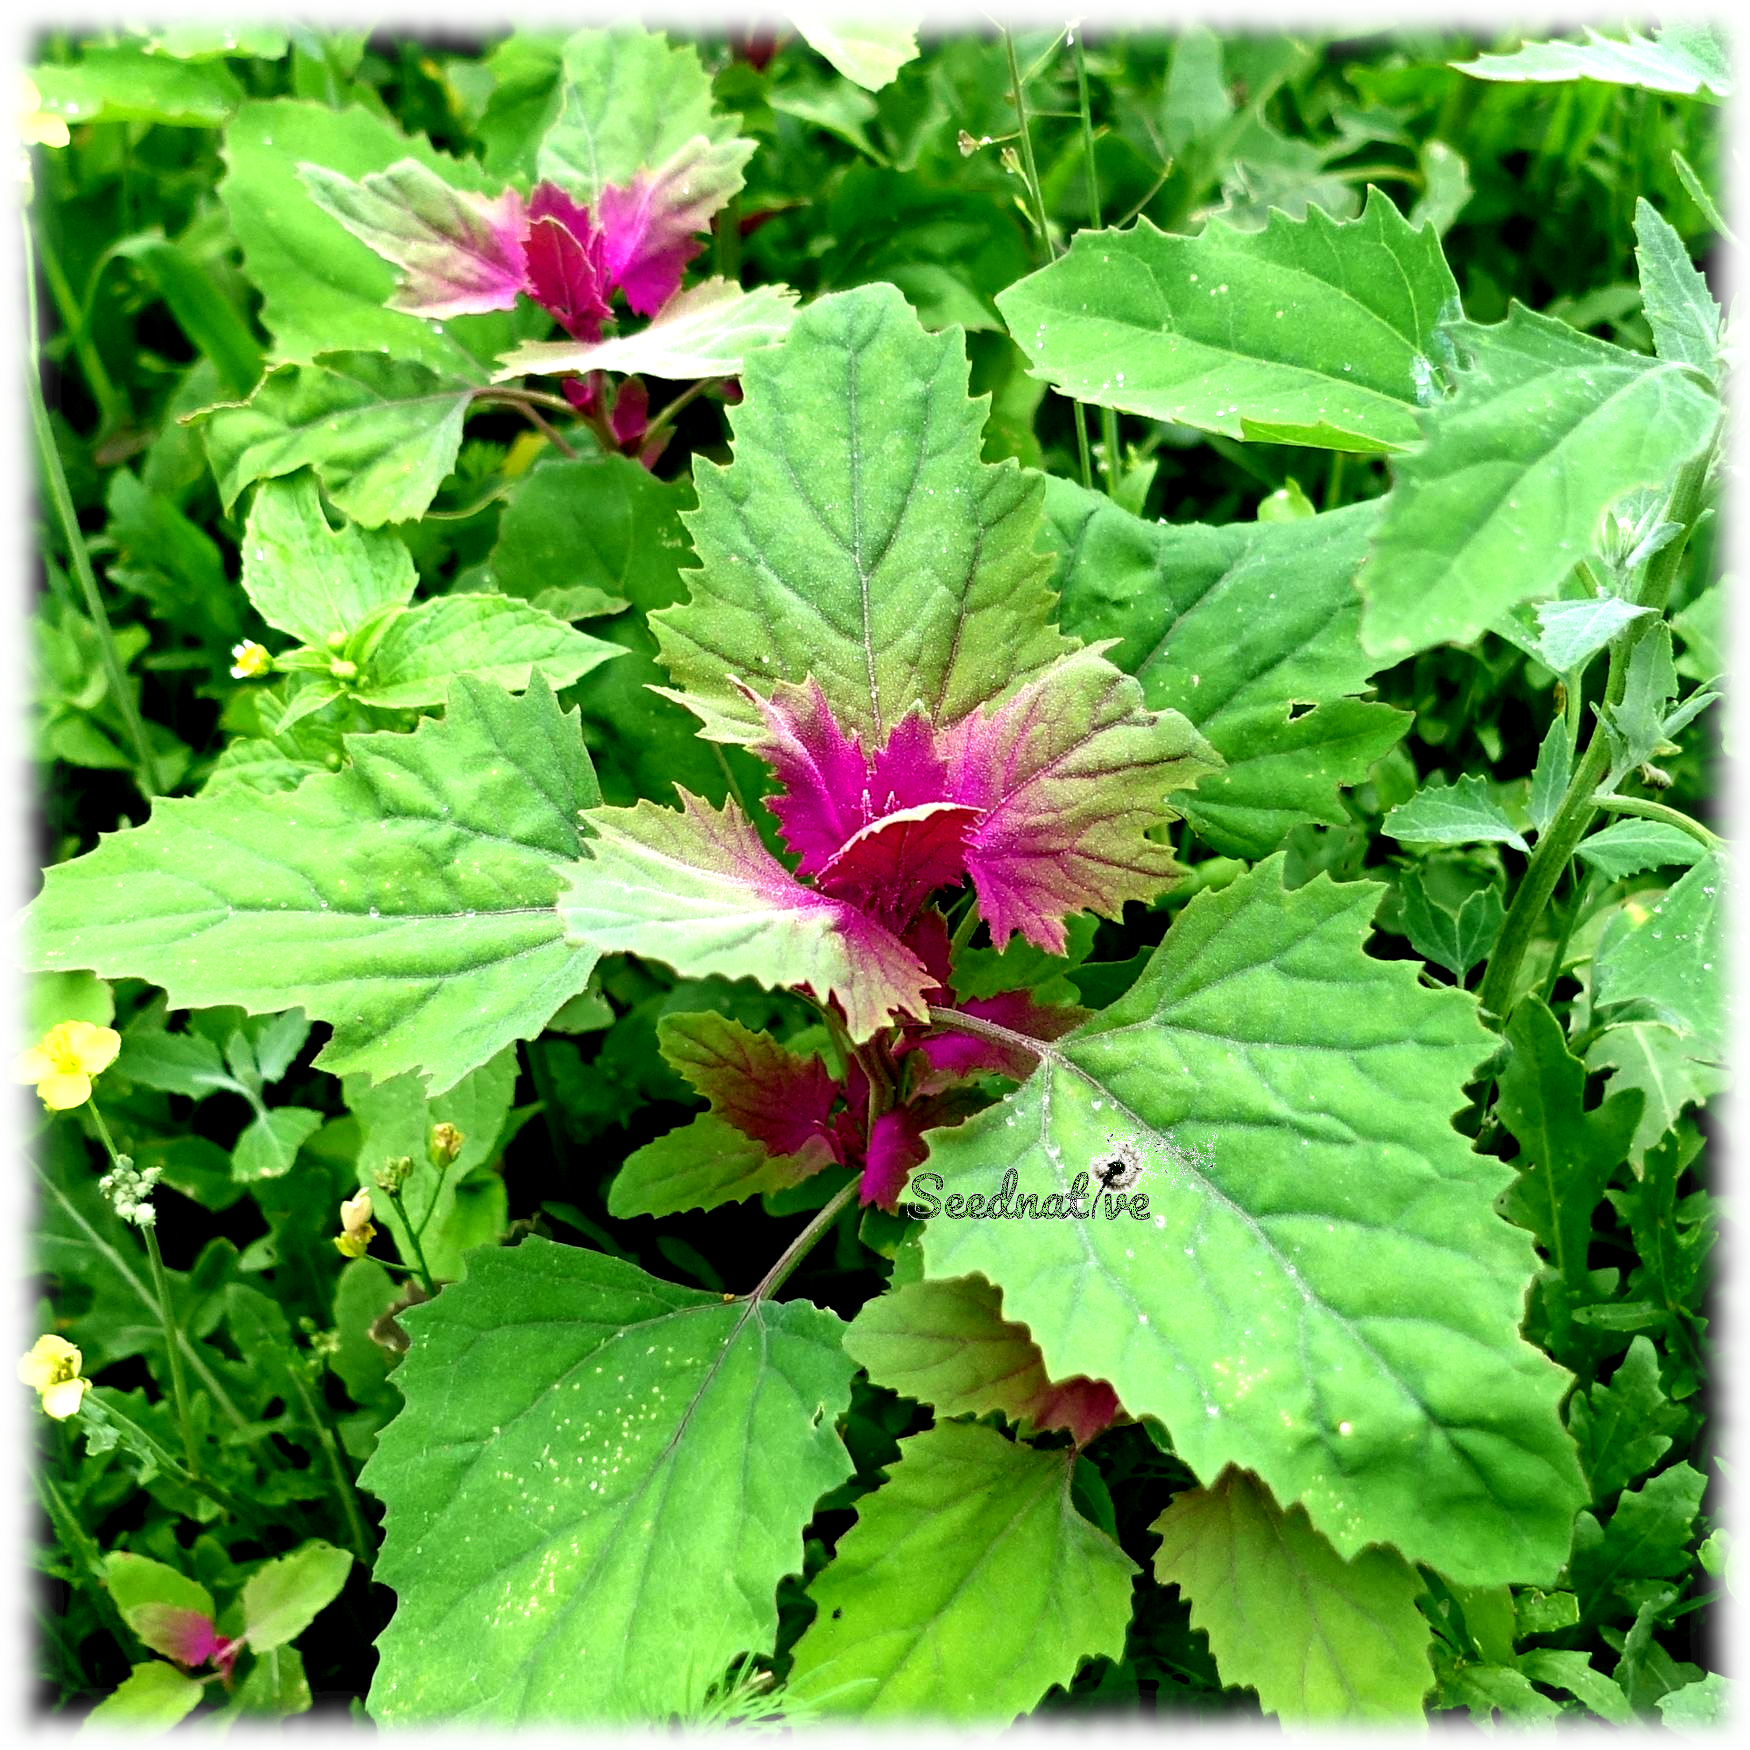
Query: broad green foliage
407	900
869	55
1454	814
968	1586
1320	1639
1672	957
856	482
1548	428
124	83
582	1446
1686	58
1309	332
381	433
151	1699
1175	595
1287	1095
701	1165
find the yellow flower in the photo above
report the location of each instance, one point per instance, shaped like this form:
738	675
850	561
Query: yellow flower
249	661
51	1369
62	1066
35	127
356	1231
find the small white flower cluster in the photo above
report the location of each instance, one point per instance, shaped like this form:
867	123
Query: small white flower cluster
128	1187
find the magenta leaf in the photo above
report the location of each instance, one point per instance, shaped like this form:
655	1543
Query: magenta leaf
567	270
768	1092
963	1054
177	1631
460	254
896	1145
824	777
697	890
890	867
631	416
1069	772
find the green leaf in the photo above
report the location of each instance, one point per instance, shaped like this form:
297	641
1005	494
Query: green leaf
1647	1537
204	313
395	1119
1551	776
1504	496
1631	847
857	536
137	1583
1463	813
382	433
1319	1638
316	582
583	1448
425	651
1680	309
1458	940
628	102
1687	59
1567	1155
1287	1098
699	891
1637	724
1625	1427
1488	1689
1312	331
1702	1707
1576	1673
968	1586
151	1699
324	291
53	997
1702	627
948	1345
1574	632
407	899
1172	595
276	1686
283	1597
1672	958
1664	1065
269	1147
127	84
869	55
706	331
701	1165
211	42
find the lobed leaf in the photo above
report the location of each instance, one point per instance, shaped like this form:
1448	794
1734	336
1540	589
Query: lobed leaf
1681	310
702	1165
1461	813
1322	1292
1313	331
1672	957
407	899
1684	58
597	1483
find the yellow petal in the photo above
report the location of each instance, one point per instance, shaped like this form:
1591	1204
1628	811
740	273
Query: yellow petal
33	1065
36	1372
43	130
94	1048
63	1400
62	1092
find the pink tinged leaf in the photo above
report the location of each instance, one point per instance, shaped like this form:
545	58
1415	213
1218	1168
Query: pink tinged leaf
890	867
631	413
927	938
824	776
176	1631
908	770
1084	1406
954	1054
567	267
460	254
699	891
1069	771
780	1099
651	224
896	1145
585	392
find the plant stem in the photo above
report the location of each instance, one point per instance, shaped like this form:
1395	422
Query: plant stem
803	1243
166	1309
1646	810
423	1269
1108	415
74	1538
343	1487
220	1497
957	1022
1579	805
964	929
1030	172
55	478
666	417
112	406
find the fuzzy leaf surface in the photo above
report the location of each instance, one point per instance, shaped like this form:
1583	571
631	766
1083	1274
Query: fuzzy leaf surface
1320	1639
1687	59
382	433
407	899
1504	496
968	1586
1681	310
1172	594
1672	956
1668	1067
1463	813
1310	331
696	889
1574	632
858	537
1631	847
1322	1292
573	1461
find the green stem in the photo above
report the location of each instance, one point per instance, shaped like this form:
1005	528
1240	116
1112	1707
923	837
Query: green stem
1030	173
423	1269
1645	810
666	417
965	929
55	478
343	1487
74	1538
1108	415
220	1497
166	1309
803	1243
112	406
1579	806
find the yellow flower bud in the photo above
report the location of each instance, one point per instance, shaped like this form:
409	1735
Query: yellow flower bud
249	661
51	1370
